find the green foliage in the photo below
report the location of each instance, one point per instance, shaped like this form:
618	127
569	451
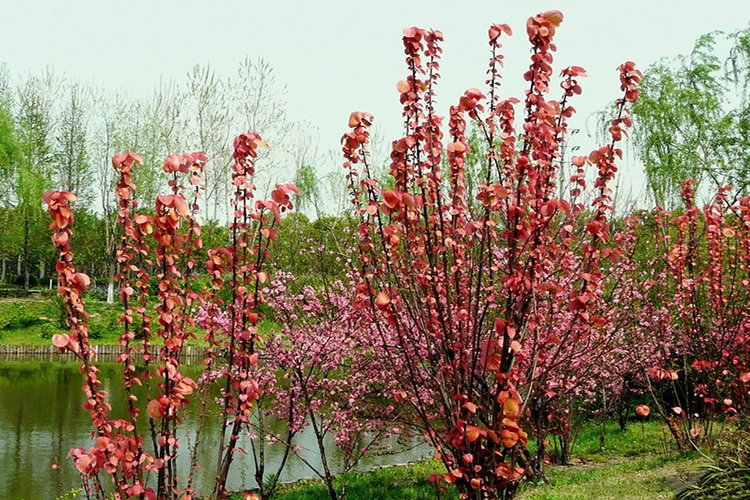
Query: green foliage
329	238
10	290
71	495
48	330
33	321
727	474
29	321
9	147
306	180
214	235
33	280
57	310
410	482
105	326
89	245
693	117
14	315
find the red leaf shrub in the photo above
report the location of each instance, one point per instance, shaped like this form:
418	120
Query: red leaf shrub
167	244
466	292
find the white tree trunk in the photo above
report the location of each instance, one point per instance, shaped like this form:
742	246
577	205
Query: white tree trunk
111	285
110	292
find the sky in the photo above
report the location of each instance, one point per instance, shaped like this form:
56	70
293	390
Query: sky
339	56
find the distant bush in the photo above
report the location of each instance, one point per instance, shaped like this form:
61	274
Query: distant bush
33	280
55	307
48	330
105	326
97	292
8	290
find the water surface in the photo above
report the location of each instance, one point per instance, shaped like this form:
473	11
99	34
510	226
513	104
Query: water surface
41	419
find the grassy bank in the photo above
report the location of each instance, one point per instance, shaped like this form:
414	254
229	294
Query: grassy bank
633	465
33	320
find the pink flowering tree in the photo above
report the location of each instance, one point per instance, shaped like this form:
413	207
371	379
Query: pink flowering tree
574	373
694	313
341	390
273	405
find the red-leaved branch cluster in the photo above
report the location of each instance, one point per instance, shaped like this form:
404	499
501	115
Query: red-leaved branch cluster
166	244
484	300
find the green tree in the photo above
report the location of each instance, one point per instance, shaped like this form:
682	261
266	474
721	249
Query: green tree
306	180
9	147
72	162
10	154
692	119
32	175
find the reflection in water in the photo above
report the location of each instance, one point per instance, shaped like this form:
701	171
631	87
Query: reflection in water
41	418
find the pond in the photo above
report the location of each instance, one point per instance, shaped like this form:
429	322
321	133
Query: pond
41	419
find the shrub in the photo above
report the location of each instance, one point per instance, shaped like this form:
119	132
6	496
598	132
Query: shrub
107	326
10	290
97	292
127	458
463	294
48	330
33	280
55	307
727	475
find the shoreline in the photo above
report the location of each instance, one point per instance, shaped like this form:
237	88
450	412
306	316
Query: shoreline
192	354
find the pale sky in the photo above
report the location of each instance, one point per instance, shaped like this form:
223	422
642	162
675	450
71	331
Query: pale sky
338	56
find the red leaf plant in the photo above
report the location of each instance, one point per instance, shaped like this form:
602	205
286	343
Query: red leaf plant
167	244
458	295
697	363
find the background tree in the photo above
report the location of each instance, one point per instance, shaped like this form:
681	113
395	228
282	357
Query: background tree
72	165
10	154
692	120
35	123
106	133
209	107
304	155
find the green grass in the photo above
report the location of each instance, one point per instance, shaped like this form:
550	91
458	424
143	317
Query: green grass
406	482
633	465
33	321
634	478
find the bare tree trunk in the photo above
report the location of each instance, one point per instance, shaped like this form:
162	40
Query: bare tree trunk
622	418
18	264
41	268
328	479
5	264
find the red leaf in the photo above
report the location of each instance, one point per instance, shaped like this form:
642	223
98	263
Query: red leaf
382	301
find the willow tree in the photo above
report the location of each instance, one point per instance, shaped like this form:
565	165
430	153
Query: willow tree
693	118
